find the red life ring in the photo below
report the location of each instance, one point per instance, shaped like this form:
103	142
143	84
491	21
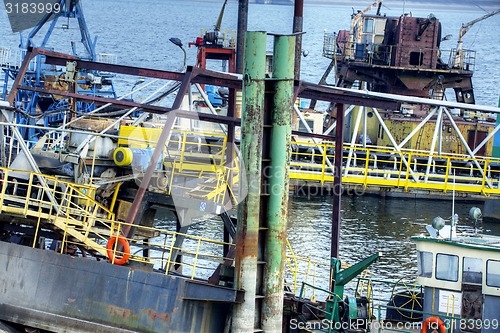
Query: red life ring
110	249
433	324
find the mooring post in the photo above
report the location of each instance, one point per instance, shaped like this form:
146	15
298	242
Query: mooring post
281	131
247	234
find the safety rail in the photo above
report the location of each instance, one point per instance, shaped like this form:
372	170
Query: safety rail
463	59
210	175
191	256
300	270
303	273
380	325
205	157
192	155
405	169
384	55
69	207
84	223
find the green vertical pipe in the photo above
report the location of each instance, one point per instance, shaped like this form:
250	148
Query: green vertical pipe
275	240
247	234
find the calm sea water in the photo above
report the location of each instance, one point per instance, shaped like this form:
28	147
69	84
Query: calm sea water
138	32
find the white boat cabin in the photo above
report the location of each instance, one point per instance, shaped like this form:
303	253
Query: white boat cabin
461	279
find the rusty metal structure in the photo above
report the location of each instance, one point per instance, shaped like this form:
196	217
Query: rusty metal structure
216	293
134	276
142	198
399	55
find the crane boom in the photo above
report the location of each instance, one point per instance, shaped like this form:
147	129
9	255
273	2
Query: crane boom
467	26
459	56
356	17
221	14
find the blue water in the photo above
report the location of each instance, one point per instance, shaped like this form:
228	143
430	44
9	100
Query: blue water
138	32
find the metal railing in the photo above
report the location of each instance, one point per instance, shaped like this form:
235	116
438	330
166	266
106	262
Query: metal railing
84	223
202	157
68	207
300	270
71	210
408	169
384	55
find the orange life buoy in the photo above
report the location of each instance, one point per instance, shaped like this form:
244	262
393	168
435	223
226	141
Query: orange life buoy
110	249
433	324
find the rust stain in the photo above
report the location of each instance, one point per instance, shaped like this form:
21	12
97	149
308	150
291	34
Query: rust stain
119	312
248	245
153	315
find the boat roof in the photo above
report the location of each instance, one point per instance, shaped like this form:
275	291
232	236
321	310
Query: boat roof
381	16
478	242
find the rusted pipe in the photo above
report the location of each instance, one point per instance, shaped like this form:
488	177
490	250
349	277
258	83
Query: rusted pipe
247	235
275	240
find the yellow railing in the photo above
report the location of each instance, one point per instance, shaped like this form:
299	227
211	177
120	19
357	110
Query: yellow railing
301	269
192	155
83	223
86	224
193	257
68	207
407	169
313	272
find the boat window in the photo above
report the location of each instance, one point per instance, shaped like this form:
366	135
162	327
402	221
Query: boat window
472	270
493	273
424	261
302	127
269	65
368	25
446	267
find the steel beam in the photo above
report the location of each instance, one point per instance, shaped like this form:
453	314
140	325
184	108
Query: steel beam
360	112
337	182
346	96
298	19
240	38
435	138
200	75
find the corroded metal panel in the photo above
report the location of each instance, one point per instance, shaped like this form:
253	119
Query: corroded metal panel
417	42
60	293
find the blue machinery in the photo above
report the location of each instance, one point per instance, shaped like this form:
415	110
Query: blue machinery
42	75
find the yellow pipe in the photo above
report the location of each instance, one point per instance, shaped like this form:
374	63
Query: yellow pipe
113	200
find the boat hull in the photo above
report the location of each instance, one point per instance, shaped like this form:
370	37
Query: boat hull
48	290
